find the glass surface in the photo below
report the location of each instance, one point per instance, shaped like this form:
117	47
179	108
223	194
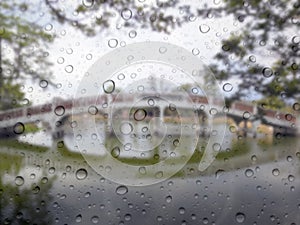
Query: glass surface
149	112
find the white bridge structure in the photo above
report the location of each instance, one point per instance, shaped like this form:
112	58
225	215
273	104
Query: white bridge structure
110	107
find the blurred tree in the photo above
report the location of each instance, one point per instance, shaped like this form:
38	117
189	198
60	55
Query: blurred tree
269	26
265	54
22	54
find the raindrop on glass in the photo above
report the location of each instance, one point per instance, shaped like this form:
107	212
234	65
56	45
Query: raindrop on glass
126	128
296	106
249	172
252	58
93	110
19	180
19	128
204	28
132	34
69	68
115	152
126	14
267	72
162	50
59	110
112	43
43	83
140	114
227	87
109	86
78	218
240	217
81	174
95	219
121	190
275	172
88	3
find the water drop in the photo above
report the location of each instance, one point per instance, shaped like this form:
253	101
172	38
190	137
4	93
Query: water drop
169	199
275	172
19	128
296	39
204	28
19	180
159	174
93	110
115	152
142	170
246	115
196	51
296	106
227	87
181	210
249	172
81	174
43	83
267	72
162	50
69	68
121	76
126	14
252	58
36	190
151	102
78	218
240	217
95	219
126	128
48	27
89	56
291	178
121	190
60	60
88	3
59	110
132	34
112	43
140	114
109	86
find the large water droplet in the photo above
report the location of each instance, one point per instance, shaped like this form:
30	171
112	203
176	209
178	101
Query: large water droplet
109	86
240	217
267	72
296	106
112	43
19	180
59	110
132	34
93	110
43	83
115	152
140	114
95	219
69	68
81	174
204	28
275	172
227	87
249	172
126	128
126	14
78	218
19	128
88	3
252	58
121	190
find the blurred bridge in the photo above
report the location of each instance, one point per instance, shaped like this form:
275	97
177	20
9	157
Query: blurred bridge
53	115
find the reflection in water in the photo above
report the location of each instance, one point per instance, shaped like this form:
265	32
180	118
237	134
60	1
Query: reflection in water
23	199
249	183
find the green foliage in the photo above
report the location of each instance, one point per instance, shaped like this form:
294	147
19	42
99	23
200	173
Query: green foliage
268	26
22	51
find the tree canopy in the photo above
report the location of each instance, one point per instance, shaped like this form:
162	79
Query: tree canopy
263	56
